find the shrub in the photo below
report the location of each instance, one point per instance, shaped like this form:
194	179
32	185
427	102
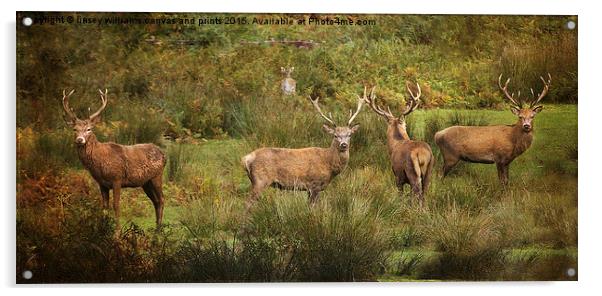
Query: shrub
44	153
406	265
471	246
87	238
338	241
146	126
177	158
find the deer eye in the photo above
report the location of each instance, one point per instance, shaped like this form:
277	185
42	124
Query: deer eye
88	129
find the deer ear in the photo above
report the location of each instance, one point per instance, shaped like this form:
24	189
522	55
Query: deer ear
328	129
515	110
537	109
355	128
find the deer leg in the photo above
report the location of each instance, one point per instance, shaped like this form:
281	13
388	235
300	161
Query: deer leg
502	172
104	195
426	178
159	202
313	196
416	183
258	187
448	164
400	181
116	196
150	191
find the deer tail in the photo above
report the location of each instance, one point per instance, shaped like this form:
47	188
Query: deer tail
247	160
417	168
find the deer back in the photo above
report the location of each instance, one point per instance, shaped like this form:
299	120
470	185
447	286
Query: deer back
305	167
132	166
486	144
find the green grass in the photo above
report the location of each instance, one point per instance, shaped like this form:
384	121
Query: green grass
473	187
471	228
209	103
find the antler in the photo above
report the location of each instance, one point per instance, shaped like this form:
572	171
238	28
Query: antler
413	103
372	103
360	103
103	98
505	90
315	103
66	107
543	93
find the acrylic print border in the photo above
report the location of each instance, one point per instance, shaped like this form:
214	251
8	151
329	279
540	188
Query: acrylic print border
216	140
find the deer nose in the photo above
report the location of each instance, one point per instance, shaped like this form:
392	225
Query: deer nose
344	145
526	126
80	140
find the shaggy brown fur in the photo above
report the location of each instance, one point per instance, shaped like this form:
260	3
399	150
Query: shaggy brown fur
115	166
412	161
499	144
307	169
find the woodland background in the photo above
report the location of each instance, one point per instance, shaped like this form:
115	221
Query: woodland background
207	97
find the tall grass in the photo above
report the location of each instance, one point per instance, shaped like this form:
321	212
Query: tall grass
219	99
45	152
339	241
466	230
526	63
139	125
471	245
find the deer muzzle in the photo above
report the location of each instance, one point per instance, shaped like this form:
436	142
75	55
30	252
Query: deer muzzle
80	140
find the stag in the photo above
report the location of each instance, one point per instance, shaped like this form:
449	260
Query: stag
288	84
411	161
499	144
306	169
115	166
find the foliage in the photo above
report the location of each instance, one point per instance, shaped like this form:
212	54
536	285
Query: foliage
210	102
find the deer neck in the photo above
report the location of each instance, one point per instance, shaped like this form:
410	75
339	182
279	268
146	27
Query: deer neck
86	152
521	139
338	159
396	133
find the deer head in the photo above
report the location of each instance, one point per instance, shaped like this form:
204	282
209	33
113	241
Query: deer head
287	71
393	121
82	127
342	134
525	113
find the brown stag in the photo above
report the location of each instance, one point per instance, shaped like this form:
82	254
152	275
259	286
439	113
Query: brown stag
412	161
307	169
115	166
499	144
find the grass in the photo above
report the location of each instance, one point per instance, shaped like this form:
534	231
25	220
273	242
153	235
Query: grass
362	229
209	103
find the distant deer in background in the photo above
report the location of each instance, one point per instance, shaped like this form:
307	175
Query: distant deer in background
308	169
499	144
288	85
412	161
115	166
